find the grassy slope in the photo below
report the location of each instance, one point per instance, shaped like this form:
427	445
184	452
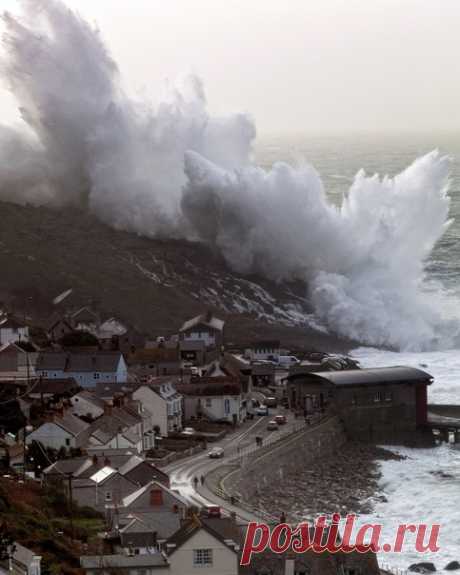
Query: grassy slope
38	519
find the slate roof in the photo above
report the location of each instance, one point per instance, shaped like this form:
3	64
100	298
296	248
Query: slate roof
156	560
71	424
164	523
54	386
224	529
170	498
369	377
101	361
90	397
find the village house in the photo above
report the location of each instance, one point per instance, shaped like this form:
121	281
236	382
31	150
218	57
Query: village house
86	368
156	361
160	397
264	351
379	404
213	398
205	327
52	390
58	329
193	352
12	331
206	543
107	485
63	430
128	463
16	364
147	564
22	561
123	426
85	319
145	519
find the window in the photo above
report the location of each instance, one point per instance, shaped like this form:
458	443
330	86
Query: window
354	400
378	397
108	496
96	376
388	396
208	402
202	557
67	441
226	406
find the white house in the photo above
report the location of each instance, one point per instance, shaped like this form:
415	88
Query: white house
160	398
210	544
123	427
12	330
87	368
23	561
205	327
215	398
64	430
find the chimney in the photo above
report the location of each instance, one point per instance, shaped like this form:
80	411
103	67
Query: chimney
95	459
156	497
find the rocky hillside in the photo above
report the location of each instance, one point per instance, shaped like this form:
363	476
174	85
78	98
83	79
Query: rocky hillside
152	285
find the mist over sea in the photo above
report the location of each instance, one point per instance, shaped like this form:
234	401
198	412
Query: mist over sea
424	488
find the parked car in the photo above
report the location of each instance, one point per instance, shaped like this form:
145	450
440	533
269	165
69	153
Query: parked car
188	431
288	361
213	511
262	410
216	452
272	425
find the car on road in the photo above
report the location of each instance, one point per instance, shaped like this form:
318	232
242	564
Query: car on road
188	431
272	425
262	410
212	511
216	452
280	419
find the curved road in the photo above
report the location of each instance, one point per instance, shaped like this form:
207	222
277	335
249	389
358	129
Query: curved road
183	472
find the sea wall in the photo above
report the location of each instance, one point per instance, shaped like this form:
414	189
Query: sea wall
258	471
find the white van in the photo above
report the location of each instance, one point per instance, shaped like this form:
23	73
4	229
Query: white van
288	361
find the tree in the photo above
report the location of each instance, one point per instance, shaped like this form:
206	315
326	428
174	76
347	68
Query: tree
79	339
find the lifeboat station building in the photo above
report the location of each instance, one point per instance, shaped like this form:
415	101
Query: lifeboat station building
384	405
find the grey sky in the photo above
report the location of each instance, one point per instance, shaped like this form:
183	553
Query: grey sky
295	65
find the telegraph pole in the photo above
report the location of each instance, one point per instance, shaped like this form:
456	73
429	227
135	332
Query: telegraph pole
69	479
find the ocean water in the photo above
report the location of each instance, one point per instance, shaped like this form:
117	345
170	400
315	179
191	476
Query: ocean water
414	490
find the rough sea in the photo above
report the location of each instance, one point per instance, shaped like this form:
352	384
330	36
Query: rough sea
425	487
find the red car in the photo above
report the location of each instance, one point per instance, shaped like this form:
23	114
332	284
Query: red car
280	419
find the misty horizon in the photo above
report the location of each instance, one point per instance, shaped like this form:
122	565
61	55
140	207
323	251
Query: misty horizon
318	67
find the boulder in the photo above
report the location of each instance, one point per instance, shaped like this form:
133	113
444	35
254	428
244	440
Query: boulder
423	567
